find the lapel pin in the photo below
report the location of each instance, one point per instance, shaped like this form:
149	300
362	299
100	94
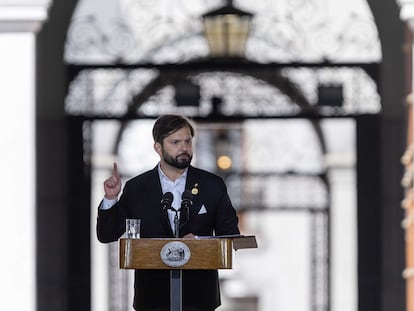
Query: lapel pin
194	191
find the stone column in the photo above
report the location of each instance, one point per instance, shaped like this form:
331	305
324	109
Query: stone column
19	22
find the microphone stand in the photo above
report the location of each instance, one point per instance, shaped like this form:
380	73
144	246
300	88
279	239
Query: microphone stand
176	223
176	275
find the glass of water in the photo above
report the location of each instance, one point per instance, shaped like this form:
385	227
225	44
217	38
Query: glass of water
133	228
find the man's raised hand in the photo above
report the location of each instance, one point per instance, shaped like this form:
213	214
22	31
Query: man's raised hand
112	185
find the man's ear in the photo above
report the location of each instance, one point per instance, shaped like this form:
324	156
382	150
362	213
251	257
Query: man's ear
157	148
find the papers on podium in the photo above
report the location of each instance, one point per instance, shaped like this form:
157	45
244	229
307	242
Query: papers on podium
239	241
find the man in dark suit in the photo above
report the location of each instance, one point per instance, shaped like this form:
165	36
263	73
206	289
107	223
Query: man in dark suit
211	213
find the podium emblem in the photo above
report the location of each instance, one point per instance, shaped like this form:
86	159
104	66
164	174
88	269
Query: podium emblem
175	254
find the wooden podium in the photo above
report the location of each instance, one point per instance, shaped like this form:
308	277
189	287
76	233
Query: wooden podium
179	253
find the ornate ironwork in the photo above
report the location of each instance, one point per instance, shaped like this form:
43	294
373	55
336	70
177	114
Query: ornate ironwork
150	92
156	32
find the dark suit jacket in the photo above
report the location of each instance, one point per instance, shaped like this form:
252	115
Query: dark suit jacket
141	199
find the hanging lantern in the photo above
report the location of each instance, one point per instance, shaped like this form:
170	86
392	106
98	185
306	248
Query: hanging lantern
227	30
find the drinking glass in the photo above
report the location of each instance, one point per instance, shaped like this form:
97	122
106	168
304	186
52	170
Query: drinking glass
133	227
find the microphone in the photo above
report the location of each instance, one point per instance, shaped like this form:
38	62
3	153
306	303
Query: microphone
186	203
186	198
166	200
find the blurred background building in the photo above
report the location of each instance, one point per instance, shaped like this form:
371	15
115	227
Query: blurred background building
304	108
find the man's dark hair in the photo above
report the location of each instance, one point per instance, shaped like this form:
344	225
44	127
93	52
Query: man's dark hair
169	124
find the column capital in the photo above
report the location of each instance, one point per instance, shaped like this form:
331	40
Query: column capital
23	15
407	12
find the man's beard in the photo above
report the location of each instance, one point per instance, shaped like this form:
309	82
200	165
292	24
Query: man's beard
177	162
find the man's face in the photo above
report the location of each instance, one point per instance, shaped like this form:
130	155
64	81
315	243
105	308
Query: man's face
177	150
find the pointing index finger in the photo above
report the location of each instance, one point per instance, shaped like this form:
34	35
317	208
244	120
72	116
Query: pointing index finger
115	170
